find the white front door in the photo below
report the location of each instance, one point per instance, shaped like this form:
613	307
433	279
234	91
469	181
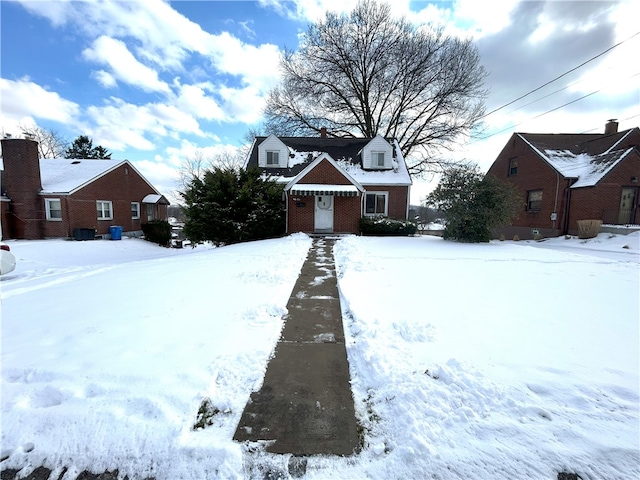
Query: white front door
324	213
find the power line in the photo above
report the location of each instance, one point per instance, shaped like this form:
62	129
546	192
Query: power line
560	76
511	127
621	120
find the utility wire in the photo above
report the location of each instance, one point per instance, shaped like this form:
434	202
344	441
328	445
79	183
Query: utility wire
622	120
560	76
545	113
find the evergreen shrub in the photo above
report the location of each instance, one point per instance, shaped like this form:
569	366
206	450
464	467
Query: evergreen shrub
380	225
157	231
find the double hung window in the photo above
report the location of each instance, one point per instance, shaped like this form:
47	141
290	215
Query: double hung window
105	209
375	203
53	209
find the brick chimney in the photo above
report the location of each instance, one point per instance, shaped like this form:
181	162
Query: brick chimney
23	184
611	127
323	132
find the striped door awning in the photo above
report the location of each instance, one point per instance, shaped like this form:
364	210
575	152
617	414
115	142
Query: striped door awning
304	189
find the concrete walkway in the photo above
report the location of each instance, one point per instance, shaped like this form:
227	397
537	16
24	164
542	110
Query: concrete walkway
305	406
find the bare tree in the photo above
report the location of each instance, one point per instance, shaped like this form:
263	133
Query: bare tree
50	143
198	163
369	73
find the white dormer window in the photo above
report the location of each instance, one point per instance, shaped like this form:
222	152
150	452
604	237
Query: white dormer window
377	154
273	158
377	159
272	153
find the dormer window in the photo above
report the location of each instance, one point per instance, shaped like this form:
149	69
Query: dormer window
377	154
273	158
272	153
377	159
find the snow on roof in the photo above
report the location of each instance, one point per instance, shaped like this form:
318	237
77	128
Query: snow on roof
398	175
65	175
152	198
588	169
345	151
296	157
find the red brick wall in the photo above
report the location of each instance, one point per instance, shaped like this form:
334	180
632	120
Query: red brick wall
346	214
398	197
533	174
325	173
602	202
300	213
4	218
346	217
347	210
120	186
599	202
21	178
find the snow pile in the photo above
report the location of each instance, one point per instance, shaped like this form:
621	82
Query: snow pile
503	360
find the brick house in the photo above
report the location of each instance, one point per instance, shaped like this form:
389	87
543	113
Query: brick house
330	183
65	198
564	178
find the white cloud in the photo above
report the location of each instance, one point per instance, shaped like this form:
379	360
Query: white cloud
198	100
257	66
105	79
243	104
124	66
23	97
122	125
308	10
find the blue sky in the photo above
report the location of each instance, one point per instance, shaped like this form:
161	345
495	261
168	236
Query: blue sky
156	82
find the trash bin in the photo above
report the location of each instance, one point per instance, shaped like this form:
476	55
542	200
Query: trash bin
84	234
116	232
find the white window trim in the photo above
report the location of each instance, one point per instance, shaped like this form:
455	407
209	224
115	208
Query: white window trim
136	217
47	203
386	203
101	216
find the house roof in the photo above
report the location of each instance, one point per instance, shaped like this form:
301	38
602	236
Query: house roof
155	198
67	175
584	157
344	151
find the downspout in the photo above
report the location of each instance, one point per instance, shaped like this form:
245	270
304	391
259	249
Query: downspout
286	211
565	215
555	204
406	213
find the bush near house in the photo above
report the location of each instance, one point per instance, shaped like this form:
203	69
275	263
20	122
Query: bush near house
474	204
380	225
229	205
157	231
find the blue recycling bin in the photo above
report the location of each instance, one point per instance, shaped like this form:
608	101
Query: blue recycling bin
116	232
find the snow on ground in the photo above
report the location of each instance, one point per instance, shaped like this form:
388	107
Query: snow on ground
503	360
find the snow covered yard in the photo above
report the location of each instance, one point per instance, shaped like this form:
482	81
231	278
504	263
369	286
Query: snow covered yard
505	360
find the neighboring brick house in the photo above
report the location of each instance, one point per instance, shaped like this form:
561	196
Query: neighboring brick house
564	178
330	183
68	198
